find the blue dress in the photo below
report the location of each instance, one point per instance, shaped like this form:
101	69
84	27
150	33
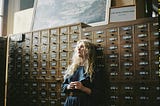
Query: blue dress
83	99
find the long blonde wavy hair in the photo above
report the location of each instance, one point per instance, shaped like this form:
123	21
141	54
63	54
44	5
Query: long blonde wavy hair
76	60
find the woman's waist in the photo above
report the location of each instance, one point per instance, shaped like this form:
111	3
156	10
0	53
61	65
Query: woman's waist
76	93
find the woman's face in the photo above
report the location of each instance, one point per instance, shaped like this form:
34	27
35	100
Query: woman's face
81	50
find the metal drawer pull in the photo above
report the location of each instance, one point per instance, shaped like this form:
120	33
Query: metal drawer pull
128	88
142	44
113	88
113	47
143	73
112	39
99	32
87	34
112	30
127	55
141	26
156	33
143	54
127	46
127	28
143	63
127	64
142	35
113	56
127	37
144	88
128	73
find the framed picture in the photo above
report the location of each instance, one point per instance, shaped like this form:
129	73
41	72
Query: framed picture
54	13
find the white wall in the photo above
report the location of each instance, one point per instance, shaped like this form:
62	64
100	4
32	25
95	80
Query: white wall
1	16
13	12
13	6
22	21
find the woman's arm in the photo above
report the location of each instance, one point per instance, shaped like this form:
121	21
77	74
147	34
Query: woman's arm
64	85
80	86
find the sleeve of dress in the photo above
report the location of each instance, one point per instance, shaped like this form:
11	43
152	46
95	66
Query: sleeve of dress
64	85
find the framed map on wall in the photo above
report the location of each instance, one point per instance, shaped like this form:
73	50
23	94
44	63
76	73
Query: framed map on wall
54	13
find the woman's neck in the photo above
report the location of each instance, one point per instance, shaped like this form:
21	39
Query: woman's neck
83	62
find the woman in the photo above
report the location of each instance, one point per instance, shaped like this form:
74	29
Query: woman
82	80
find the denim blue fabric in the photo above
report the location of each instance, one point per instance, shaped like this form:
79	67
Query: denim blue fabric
94	85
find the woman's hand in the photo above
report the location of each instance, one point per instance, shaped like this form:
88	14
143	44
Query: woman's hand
80	86
71	86
75	85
